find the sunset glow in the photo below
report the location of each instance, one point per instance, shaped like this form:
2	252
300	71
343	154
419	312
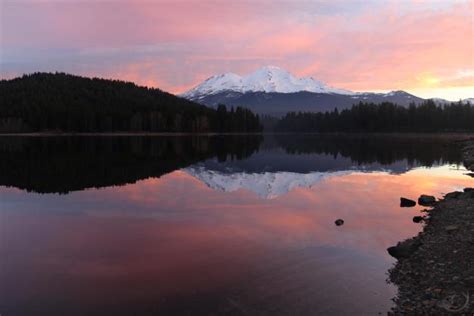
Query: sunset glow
423	47
172	226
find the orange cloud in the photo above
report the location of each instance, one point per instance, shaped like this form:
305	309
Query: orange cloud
175	45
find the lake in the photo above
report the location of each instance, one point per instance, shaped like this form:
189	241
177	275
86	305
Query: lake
211	225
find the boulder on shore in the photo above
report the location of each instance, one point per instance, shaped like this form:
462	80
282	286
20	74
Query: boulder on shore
426	200
404	202
404	249
452	195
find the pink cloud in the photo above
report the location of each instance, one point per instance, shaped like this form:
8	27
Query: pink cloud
175	45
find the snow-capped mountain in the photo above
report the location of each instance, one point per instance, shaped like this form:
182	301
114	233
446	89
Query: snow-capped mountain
275	91
265	79
266	185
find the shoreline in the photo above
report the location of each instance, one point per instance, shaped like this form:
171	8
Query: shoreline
456	136
437	276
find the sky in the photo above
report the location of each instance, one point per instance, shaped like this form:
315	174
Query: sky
423	47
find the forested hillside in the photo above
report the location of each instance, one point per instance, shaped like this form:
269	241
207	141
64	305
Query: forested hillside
63	102
384	117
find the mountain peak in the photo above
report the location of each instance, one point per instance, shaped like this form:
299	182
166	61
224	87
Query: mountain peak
264	79
267	185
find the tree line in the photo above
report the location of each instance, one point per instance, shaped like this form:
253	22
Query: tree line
384	117
63	102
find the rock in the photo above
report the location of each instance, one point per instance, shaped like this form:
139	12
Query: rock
426	200
451	228
453	195
404	249
339	222
427	302
469	282
469	193
417	219
406	202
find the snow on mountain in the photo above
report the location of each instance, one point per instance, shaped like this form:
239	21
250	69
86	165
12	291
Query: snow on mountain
447	102
265	79
440	101
266	185
273	91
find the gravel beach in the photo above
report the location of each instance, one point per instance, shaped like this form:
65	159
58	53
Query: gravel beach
435	270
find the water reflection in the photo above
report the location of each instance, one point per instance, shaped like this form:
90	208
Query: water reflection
175	245
64	164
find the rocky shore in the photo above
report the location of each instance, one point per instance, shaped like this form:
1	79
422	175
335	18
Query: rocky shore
435	270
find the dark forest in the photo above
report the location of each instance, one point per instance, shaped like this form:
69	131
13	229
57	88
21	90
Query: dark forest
66	103
384	117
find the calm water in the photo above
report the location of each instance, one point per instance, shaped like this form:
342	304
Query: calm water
239	225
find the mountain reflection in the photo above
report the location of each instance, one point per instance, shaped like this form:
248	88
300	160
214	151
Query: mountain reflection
287	162
177	245
64	164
